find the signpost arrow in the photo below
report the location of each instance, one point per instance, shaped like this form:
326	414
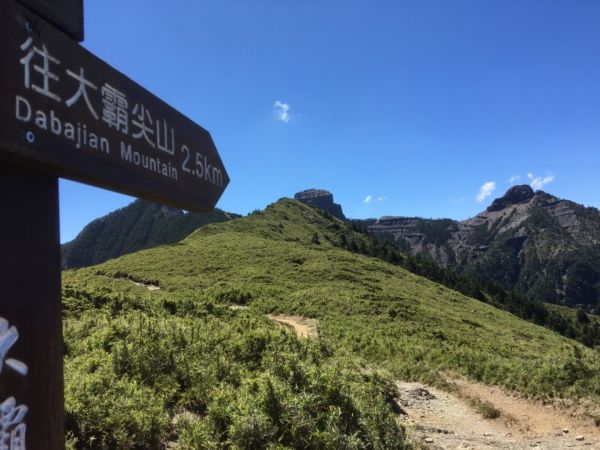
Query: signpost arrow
66	113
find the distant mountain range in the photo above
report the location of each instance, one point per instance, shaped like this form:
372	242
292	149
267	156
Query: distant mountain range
137	226
174	346
532	242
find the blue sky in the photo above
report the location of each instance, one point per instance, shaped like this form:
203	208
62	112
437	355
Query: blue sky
398	107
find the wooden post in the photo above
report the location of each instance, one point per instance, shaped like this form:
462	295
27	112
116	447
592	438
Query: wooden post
30	301
50	127
31	343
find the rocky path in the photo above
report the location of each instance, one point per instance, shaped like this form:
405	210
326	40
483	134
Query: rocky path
303	326
439	420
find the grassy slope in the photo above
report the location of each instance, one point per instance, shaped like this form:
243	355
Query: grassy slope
414	328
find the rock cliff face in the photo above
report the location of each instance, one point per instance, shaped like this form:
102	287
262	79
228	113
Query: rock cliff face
532	242
514	196
321	199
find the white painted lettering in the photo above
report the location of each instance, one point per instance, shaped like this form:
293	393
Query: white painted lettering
23	109
43	70
41	120
217	177
115	112
207	171
78	133
126	151
143	124
82	91
93	141
165	141
8	337
69	131
104	145
148	163
12	427
55	125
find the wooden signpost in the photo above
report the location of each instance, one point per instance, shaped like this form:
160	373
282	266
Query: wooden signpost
66	113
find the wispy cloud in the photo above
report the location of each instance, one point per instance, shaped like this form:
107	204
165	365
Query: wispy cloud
485	191
282	111
371	199
514	179
539	182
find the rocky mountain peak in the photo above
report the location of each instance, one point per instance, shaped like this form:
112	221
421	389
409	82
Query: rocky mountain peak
544	199
531	242
515	195
321	199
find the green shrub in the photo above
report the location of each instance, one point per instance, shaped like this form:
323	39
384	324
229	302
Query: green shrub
105	411
141	379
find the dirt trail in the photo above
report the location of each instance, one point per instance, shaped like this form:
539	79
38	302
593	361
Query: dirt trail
440	420
303	326
149	286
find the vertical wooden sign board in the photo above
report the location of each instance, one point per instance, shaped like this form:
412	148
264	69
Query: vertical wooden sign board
31	377
64	112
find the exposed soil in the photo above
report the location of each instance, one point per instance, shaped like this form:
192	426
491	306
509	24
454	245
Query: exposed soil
149	286
440	420
303	326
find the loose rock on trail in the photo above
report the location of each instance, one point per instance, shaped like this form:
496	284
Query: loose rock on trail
440	420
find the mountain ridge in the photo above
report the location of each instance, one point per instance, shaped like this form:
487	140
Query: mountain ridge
137	226
271	262
533	242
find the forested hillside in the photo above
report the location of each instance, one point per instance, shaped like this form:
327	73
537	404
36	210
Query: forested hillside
137	226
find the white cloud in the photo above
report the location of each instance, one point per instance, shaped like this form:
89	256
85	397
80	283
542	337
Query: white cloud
382	198
514	179
282	111
485	190
539	182
368	199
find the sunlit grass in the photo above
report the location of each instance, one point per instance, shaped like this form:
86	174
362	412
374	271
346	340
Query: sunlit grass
368	309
